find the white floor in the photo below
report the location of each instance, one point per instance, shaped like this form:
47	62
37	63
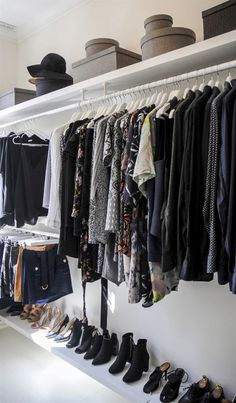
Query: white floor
29	374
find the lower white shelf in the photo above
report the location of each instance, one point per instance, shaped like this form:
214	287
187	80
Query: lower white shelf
132	392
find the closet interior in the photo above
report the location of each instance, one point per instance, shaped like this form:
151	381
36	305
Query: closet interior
117	245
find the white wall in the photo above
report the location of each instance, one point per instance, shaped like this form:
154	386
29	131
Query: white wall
193	328
118	19
8	64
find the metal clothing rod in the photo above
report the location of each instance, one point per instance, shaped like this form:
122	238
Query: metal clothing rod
150	86
32	231
165	81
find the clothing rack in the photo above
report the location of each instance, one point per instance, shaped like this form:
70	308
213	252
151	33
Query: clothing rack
128	92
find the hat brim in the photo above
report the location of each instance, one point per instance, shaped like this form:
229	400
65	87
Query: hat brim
37	71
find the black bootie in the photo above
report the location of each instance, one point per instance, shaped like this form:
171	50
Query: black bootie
110	346
86	339
139	363
124	355
95	347
75	334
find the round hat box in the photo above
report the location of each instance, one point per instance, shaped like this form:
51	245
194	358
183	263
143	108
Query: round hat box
157	22
164	40
99	44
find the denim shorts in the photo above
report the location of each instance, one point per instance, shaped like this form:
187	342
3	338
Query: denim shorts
45	276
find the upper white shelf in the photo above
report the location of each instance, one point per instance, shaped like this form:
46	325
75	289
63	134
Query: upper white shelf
213	51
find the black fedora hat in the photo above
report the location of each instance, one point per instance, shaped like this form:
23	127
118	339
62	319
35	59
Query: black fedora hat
53	66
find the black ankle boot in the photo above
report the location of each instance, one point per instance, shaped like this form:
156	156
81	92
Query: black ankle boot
139	363
76	334
86	339
94	348
124	355
110	346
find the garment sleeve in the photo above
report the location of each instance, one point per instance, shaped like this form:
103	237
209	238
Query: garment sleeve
47	182
144	168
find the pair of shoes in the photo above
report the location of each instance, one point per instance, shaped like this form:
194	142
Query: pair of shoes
200	393
33	313
44	319
15	308
197	391
97	347
65	333
216	395
26	311
76	332
136	354
58	327
56	317
87	334
155	378
171	389
103	348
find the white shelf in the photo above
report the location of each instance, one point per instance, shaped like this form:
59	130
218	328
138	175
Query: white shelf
206	53
132	392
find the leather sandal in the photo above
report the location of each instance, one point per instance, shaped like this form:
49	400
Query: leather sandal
171	388
44	319
26	311
155	378
36	313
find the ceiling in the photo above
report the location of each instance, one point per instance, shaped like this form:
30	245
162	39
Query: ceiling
27	15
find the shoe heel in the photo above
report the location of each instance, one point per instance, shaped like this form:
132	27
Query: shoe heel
146	364
115	344
115	350
131	347
165	374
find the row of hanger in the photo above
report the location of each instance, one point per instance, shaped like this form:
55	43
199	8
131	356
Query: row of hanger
129	100
26	131
141	97
26	238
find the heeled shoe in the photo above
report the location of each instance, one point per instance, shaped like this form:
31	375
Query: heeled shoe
196	391
45	318
109	347
59	318
171	388
139	363
55	319
57	329
94	348
86	339
155	377
36	312
75	334
26	311
124	355
215	396
65	334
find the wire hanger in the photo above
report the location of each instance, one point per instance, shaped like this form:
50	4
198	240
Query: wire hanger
164	96
165	103
187	89
203	84
211	82
195	86
229	78
218	83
